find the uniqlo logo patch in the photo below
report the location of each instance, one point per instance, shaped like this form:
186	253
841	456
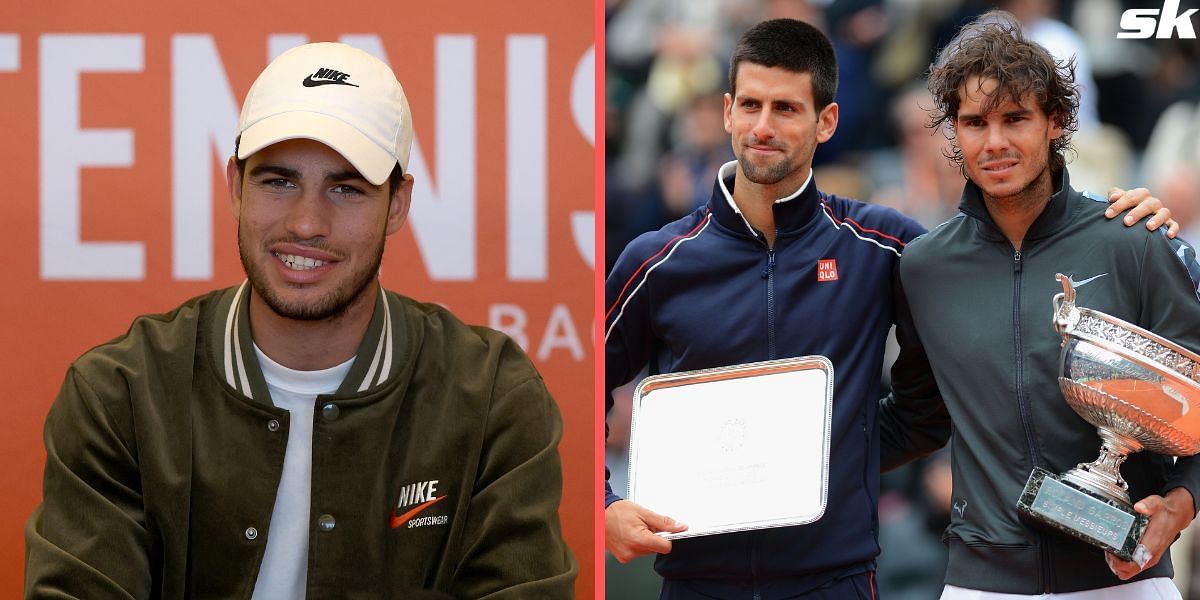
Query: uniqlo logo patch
827	269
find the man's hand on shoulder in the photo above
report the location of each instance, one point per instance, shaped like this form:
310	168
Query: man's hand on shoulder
629	530
1168	516
1141	204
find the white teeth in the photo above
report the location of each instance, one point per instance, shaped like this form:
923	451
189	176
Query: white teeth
299	263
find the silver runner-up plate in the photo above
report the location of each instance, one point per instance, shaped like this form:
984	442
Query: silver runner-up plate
734	448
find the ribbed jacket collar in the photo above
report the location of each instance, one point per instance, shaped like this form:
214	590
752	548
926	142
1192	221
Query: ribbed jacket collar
379	359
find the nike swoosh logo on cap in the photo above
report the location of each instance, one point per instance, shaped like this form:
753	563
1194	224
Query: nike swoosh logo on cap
310	82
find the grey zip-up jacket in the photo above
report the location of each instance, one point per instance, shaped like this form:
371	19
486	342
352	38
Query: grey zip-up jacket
434	466
983	312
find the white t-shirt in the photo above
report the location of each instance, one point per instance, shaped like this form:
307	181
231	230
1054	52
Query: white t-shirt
284	572
1149	589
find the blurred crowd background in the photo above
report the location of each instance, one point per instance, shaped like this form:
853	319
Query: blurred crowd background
666	69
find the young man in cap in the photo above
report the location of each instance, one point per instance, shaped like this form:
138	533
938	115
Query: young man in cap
306	433
772	267
984	280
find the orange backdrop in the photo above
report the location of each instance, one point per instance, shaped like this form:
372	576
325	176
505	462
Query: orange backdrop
117	122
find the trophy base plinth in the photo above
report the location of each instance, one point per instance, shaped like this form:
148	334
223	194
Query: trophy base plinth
1100	521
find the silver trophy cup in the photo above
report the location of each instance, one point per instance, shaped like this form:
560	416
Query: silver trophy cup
1141	391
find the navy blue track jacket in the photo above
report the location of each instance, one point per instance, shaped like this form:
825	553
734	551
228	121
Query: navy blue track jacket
707	291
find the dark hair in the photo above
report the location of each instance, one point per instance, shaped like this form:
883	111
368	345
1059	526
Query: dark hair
792	45
394	180
993	47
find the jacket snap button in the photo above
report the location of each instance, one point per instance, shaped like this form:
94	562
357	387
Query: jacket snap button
272	425
251	533
326	522
330	412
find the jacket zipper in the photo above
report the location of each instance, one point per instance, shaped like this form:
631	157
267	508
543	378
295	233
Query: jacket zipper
1026	415
754	593
1026	411
769	275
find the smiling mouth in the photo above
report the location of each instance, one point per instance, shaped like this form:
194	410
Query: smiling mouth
1000	166
298	263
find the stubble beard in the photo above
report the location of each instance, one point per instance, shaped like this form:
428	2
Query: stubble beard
769	174
330	306
765	174
1032	195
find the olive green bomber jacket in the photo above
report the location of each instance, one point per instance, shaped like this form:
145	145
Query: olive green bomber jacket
435	466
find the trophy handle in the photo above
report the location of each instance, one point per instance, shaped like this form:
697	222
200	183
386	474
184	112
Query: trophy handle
1066	315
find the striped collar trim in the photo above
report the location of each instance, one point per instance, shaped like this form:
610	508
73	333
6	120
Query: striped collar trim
382	365
377	362
235	361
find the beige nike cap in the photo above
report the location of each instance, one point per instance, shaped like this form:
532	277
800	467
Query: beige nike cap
337	95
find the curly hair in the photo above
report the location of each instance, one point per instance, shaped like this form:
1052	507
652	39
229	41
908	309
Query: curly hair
993	47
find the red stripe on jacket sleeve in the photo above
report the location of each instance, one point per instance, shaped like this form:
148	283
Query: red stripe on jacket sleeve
625	288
